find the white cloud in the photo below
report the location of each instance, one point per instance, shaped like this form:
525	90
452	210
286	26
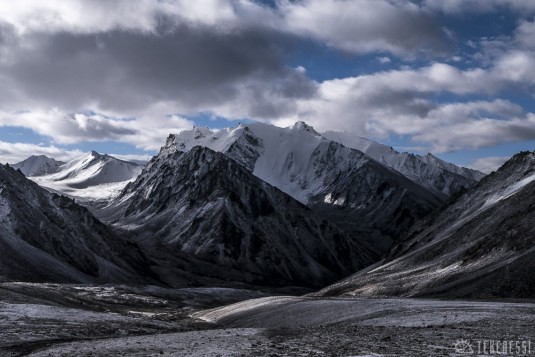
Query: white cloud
473	133
384	60
489	163
13	153
87	16
147	131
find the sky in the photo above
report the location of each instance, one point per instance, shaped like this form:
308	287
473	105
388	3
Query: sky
451	77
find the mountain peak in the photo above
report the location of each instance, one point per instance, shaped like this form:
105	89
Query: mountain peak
201	132
37	165
524	160
302	126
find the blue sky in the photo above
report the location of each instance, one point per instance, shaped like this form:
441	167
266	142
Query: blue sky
455	78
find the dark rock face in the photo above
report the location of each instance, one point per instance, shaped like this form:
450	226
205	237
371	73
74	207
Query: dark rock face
369	197
357	193
46	237
204	213
481	245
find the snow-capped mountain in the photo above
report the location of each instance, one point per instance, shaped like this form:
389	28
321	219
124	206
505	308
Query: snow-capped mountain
441	177
38	165
46	237
200	211
481	245
91	177
283	157
343	184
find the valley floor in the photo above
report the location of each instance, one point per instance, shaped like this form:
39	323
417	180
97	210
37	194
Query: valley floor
110	320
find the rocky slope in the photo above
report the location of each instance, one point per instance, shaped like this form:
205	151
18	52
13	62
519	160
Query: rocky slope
201	212
46	237
481	245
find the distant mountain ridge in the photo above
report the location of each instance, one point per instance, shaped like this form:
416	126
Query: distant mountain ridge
90	177
94	169
38	165
429	171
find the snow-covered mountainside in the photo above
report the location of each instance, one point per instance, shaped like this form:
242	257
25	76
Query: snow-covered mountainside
286	158
429	171
91	177
46	237
200	211
38	165
481	245
343	184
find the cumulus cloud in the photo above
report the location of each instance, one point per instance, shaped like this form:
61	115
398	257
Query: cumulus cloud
355	103
67	128
61	59
87	16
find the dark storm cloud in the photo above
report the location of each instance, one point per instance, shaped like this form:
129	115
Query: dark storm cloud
520	132
125	70
364	26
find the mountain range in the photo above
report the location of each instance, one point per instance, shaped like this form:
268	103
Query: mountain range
343	184
261	205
